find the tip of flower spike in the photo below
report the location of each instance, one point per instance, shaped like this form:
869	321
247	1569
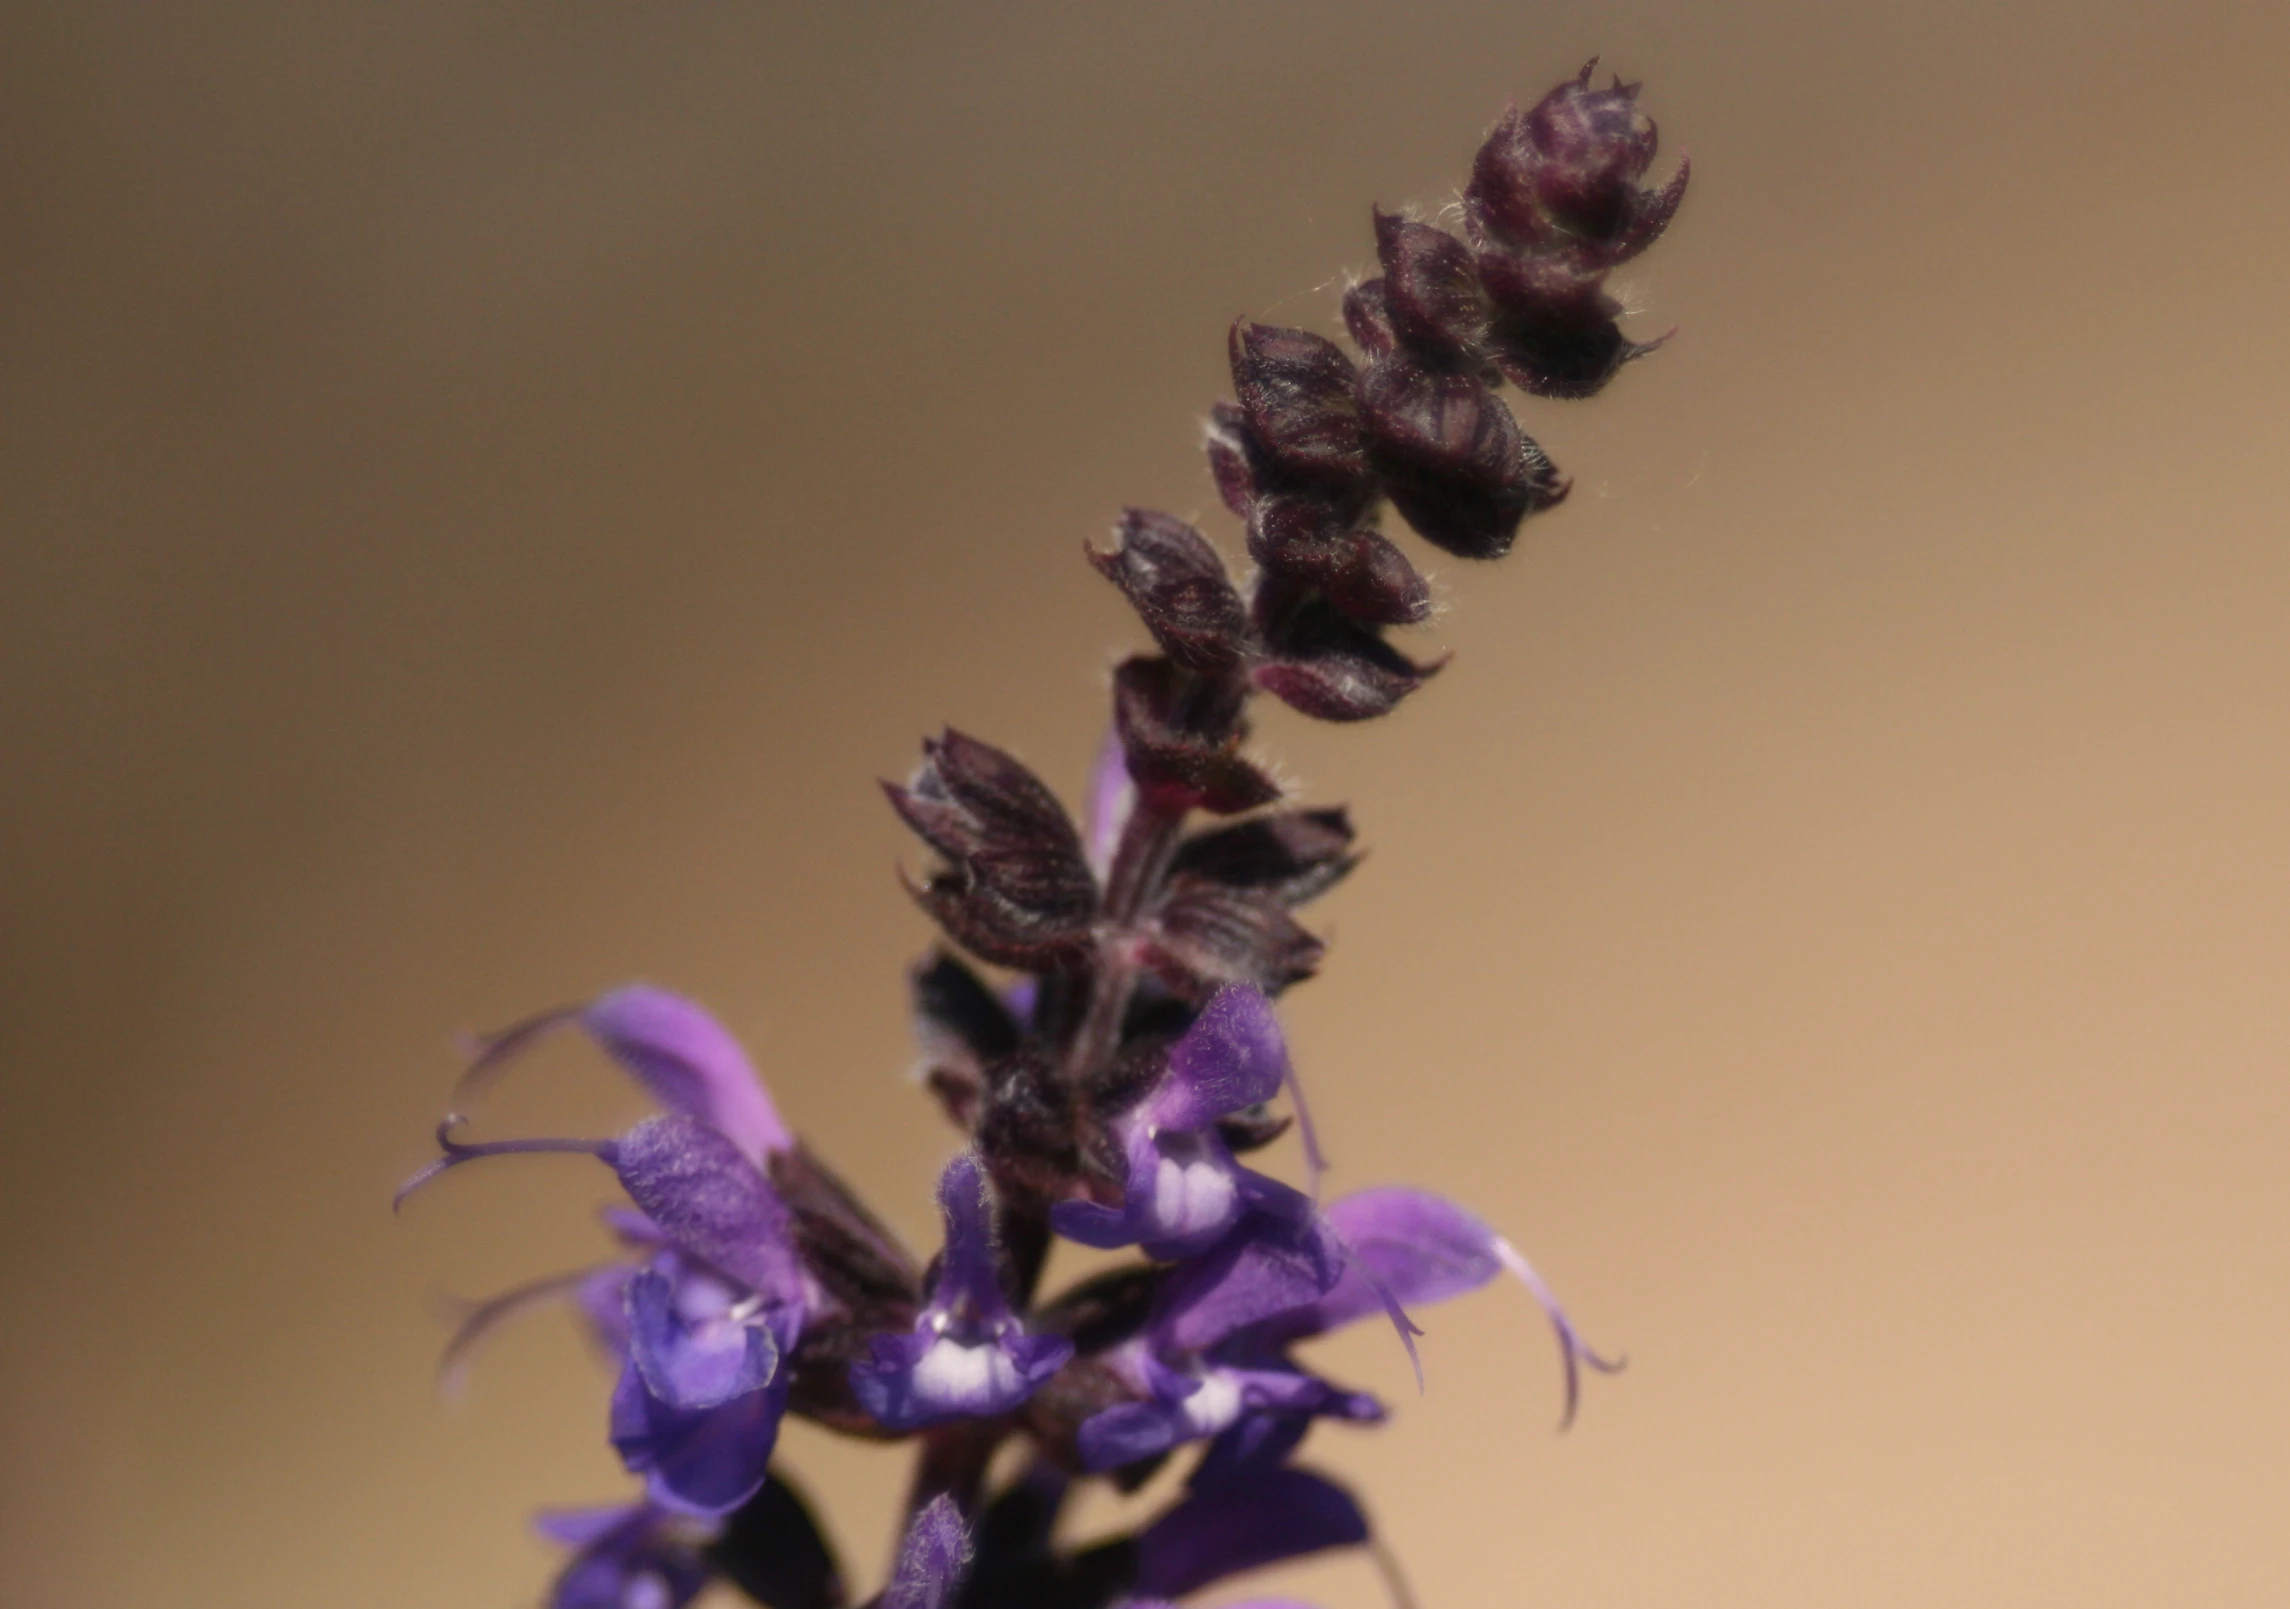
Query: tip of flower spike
1574	1352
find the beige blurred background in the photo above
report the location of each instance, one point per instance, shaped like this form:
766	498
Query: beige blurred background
487	490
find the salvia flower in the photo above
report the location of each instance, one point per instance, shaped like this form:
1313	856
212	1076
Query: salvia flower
968	1355
1182	1191
1100	1022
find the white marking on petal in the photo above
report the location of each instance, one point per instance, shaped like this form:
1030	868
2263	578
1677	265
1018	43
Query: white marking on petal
1194	1193
1214	1405
958	1376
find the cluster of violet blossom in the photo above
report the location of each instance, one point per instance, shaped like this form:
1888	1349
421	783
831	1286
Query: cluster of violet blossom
1128	1057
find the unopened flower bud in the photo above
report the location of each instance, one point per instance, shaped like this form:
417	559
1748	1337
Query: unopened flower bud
1178	586
1572	165
1452	459
1295	391
1431	290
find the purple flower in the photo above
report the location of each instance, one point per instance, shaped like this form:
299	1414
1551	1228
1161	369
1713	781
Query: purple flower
1200	1367
712	1321
1213	1361
1183	1191
968	1355
682	1056
628	1557
1422	1248
714	1316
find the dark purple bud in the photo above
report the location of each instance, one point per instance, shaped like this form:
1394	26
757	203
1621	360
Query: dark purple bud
957	1019
1371	582
1018	890
1431	290
1556	334
963	1030
1303	538
1367	319
1205	934
1181	734
1295	855
1573	163
1296	391
1453	460
773	1550
1178	586
1281	1514
1326	666
1103	1310
846	1248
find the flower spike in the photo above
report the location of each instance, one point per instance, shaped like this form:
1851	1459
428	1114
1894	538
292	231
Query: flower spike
1099	1019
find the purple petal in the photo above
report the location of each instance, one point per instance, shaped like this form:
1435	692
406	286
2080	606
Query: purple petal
931	1560
1424	1248
1231	1058
1283	1514
710	1202
631	1557
1269	1266
682	1056
1112	795
1089	1223
697	1461
968	1278
1127	1433
1256	1443
922	1379
691	1342
578	1527
603	1302
690	1064
1218	1401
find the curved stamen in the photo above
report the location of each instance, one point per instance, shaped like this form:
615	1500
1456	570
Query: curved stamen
490	1053
1407	1327
1572	1348
478	1320
458	1152
1315	1163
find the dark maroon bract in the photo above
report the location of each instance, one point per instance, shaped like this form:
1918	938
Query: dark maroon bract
1112	1073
